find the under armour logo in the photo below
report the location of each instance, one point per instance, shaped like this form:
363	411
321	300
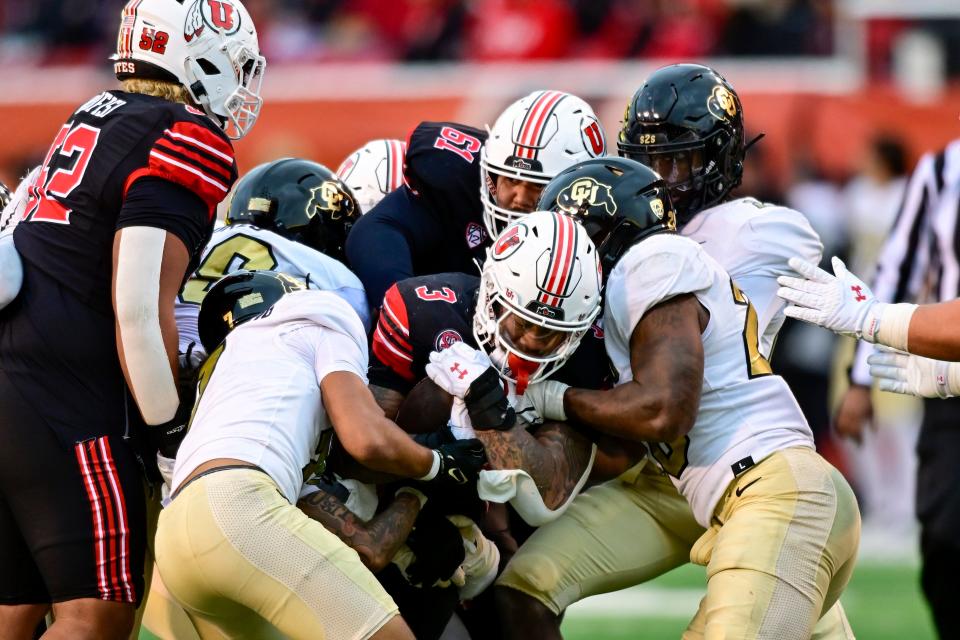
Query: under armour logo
859	291
456	368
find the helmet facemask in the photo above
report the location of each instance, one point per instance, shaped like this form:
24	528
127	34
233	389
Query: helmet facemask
692	168
226	81
501	328
495	217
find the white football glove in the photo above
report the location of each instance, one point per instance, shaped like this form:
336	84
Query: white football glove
841	302
547	398
455	368
914	375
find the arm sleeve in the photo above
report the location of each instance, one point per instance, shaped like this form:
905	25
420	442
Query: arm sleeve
904	255
161	204
383	245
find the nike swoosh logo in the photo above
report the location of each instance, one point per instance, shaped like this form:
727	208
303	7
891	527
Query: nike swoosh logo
740	490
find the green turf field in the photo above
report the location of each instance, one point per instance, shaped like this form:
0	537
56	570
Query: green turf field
883	602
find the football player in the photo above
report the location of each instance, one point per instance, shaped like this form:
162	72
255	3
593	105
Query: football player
124	201
231	546
690	120
290	215
373	171
536	299
918	350
435	222
695	386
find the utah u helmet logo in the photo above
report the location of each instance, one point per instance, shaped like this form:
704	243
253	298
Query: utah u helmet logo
586	193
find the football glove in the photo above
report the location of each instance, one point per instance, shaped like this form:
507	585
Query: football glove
547	399
840	302
467	373
914	375
437	546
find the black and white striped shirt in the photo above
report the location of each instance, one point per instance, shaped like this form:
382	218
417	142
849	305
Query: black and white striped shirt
920	261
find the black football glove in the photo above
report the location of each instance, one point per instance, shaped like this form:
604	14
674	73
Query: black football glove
487	403
460	462
434	439
166	437
438	546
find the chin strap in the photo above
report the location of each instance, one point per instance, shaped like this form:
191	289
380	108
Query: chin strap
757	139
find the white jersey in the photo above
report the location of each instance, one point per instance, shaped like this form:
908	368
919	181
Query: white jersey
752	241
745	411
243	246
259	396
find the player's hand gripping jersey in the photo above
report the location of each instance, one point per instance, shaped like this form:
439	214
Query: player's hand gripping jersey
431	313
244	246
431	224
753	241
746	412
121	160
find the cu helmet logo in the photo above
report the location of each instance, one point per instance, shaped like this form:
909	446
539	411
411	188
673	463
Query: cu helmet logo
329	196
220	15
722	103
584	194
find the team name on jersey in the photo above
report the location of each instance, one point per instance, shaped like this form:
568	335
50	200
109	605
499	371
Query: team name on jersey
102	105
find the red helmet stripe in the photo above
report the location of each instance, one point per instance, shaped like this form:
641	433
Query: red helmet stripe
534	127
517	150
561	259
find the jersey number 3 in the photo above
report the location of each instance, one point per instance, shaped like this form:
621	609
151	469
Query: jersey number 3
73	146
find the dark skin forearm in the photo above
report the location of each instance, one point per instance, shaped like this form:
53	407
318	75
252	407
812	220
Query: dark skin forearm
376	541
660	403
556	457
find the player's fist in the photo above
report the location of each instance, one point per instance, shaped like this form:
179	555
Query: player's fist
460	462
467	373
455	368
840	302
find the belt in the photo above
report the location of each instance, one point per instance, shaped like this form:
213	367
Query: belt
214	470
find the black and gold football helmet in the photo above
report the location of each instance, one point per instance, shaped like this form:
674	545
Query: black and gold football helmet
238	297
619	201
686	123
300	200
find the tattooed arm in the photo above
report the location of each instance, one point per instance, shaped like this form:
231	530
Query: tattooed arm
376	541
661	402
556	457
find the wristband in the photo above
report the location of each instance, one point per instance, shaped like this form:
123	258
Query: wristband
434	468
893	325
419	495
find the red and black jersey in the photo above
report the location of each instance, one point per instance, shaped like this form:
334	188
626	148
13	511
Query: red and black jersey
430	313
433	223
121	160
107	145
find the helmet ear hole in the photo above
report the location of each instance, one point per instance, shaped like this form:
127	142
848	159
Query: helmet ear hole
208	67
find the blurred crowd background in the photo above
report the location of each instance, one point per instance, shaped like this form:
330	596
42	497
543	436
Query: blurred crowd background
80	31
849	93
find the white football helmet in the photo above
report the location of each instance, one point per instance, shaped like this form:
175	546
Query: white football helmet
534	139
208	46
540	287
373	171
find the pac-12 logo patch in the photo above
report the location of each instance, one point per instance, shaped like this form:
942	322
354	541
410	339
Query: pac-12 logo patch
447	338
475	235
509	241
